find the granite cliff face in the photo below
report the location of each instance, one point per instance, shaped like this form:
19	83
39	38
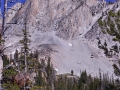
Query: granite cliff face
57	29
11	12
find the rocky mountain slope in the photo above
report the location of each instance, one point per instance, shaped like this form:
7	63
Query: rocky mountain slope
60	29
11	12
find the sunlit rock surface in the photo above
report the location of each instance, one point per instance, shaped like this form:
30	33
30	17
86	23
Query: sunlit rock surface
57	29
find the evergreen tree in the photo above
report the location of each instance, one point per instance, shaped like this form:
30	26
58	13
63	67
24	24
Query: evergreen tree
100	77
83	77
5	60
72	72
99	43
105	44
16	56
116	69
25	49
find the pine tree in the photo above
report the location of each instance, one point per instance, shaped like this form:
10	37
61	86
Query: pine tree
72	72
16	59
25	49
5	4
105	44
5	60
48	70
75	85
36	54
16	56
100	77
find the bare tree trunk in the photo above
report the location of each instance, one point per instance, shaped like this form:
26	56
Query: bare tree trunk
25	63
25	43
3	22
4	28
4	18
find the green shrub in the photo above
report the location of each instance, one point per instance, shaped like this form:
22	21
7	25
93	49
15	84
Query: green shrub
9	86
112	27
37	88
112	13
118	13
8	73
109	32
109	21
104	32
104	23
118	26
5	60
100	22
116	39
39	80
116	69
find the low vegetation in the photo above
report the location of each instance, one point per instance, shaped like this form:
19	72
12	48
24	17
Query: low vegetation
111	25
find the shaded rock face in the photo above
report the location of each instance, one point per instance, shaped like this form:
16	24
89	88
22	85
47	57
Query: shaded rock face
57	29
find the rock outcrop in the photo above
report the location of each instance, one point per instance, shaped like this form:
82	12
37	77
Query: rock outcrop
12	11
57	29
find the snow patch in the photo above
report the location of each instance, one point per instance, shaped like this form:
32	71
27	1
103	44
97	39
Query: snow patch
70	44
